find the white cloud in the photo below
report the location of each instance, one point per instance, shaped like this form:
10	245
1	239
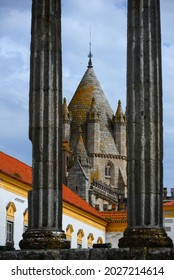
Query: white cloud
10	49
14	55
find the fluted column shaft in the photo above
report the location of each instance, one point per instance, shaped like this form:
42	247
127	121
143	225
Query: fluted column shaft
144	121
45	120
144	114
45	114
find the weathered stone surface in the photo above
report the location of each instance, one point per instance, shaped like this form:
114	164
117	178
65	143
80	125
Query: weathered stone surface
145	237
78	254
44	239
45	129
137	253
144	128
119	254
160	253
91	254
97	254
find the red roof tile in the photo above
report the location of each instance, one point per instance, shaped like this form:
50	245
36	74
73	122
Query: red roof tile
169	203
23	172
15	168
72	198
114	215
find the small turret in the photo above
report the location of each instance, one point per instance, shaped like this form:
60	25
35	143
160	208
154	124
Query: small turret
119	116
80	152
66	117
78	179
119	121
93	129
93	115
66	121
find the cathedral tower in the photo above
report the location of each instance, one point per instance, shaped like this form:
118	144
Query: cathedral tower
99	167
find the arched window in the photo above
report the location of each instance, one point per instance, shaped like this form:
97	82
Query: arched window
69	231
100	240
90	240
108	170
80	235
25	220
10	211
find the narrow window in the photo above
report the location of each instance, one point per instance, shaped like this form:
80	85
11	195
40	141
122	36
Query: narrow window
100	240
25	225
10	230
108	170
80	235
69	231
90	240
10	212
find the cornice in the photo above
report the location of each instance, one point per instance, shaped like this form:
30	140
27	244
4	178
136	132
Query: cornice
13	185
83	216
108	156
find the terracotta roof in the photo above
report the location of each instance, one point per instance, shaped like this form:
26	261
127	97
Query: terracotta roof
72	198
114	215
15	168
169	203
23	172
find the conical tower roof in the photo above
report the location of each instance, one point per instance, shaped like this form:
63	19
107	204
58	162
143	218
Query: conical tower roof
119	116
80	105
80	150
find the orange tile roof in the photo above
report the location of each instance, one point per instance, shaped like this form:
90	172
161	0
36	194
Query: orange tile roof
23	172
72	198
15	168
169	203
114	215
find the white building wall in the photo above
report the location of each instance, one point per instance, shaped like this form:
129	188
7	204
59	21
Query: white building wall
169	227
85	227
21	205
113	238
2	218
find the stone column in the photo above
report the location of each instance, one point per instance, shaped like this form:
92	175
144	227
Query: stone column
144	127
45	131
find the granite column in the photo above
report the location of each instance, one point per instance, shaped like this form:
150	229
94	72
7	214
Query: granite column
144	127
45	129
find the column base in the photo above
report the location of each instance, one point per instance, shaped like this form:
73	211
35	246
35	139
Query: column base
145	237
44	239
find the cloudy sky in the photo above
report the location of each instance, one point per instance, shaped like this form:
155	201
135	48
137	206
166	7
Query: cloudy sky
107	20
